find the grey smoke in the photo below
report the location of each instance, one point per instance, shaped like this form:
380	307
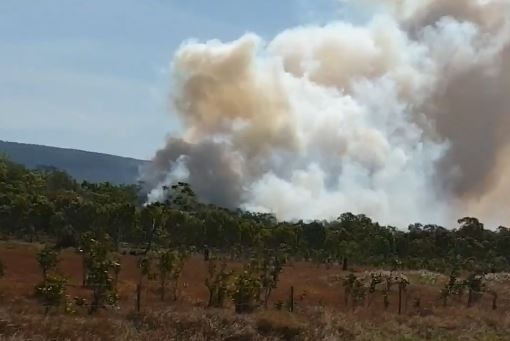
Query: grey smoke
211	174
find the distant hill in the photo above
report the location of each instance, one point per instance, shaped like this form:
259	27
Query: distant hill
82	165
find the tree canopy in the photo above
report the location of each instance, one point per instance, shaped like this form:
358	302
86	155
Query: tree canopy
47	204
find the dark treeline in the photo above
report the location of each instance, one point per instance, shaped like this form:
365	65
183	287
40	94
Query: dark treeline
48	205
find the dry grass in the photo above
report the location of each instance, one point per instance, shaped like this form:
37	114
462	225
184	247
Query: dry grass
320	311
278	324
201	324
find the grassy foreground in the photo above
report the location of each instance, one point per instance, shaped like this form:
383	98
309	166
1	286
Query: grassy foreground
199	324
320	314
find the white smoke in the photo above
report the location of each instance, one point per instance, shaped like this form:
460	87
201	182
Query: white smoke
177	172
343	117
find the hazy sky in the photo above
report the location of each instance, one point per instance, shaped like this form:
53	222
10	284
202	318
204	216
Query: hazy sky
93	74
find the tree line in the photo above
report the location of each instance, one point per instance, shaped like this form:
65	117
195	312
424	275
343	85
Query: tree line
47	205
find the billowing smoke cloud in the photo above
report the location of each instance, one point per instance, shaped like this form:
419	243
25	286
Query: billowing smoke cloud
403	117
205	165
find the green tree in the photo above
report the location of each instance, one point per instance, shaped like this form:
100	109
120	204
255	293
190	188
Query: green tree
170	265
101	269
247	288
270	269
217	282
47	259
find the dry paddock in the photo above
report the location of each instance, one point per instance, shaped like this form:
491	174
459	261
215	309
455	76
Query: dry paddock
313	285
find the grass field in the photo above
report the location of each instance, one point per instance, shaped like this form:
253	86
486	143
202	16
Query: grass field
320	313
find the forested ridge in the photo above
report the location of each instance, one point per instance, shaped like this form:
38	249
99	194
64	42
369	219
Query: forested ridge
49	206
81	165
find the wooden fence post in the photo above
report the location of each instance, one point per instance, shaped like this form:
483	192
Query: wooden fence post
400	298
291	303
138	297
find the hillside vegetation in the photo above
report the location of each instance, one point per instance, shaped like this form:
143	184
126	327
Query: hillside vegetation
82	165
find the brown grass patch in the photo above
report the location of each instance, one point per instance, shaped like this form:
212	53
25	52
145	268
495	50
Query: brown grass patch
280	324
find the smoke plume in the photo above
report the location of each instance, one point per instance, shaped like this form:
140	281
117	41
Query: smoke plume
403	117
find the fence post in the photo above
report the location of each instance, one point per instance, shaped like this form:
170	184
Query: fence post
84	272
400	298
138	297
291	305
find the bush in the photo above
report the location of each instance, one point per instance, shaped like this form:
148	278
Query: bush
246	289
170	265
51	292
101	271
218	282
47	259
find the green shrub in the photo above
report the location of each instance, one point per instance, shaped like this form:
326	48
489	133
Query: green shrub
217	282
247	287
51	292
47	259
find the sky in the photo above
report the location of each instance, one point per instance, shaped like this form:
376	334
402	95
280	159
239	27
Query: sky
94	74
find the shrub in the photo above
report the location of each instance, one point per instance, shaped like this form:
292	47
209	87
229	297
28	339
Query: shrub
454	287
246	289
476	286
270	270
170	265
51	292
358	293
100	274
47	259
218	282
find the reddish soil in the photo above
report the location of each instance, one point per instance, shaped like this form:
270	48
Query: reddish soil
313	285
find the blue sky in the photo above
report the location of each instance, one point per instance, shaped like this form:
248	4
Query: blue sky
93	74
